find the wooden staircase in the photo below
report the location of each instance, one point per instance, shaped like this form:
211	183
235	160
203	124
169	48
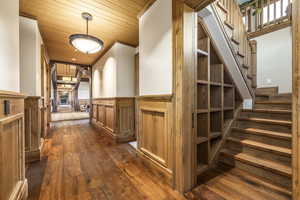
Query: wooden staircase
243	50
254	156
260	141
255	161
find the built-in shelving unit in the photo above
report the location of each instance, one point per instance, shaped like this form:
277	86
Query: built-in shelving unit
215	97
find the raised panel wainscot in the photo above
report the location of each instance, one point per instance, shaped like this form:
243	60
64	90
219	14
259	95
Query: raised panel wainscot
13	184
115	116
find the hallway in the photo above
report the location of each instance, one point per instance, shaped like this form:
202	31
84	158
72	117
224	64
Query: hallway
79	163
57	117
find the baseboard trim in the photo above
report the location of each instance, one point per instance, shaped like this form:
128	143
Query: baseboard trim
115	137
156	167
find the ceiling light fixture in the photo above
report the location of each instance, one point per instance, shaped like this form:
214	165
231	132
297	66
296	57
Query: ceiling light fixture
84	42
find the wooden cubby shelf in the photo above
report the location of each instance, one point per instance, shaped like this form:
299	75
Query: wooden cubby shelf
202	111
201	169
202	82
202	125
214	135
201	140
228	108
202	154
202	92
202	53
228	96
214	98
228	85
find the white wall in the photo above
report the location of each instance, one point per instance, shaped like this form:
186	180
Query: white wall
155	49
9	45
104	75
274	60
125	70
113	74
30	57
84	90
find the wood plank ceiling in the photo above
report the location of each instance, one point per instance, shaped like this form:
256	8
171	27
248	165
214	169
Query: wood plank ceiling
65	70
114	20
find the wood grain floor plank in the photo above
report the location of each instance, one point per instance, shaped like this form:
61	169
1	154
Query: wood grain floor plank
80	163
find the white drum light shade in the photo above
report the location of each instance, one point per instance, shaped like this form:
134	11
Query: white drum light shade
86	43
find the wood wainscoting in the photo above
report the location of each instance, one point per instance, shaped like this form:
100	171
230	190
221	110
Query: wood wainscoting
115	116
13	185
33	128
155	138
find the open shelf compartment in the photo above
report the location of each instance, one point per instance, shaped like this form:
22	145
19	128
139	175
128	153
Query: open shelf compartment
202	96
215	97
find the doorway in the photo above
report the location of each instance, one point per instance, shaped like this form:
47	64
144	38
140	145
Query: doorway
71	92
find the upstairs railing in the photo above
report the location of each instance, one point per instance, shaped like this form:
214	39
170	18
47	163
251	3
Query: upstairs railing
263	16
238	39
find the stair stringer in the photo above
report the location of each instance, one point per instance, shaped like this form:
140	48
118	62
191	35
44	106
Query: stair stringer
210	22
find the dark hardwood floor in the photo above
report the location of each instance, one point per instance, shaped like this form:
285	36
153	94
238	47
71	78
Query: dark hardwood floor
81	163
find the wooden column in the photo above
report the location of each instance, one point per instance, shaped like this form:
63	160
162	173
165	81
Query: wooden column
13	184
33	142
184	51
75	91
53	77
296	100
91	92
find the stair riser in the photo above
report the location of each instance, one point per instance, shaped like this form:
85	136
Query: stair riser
263	139
287	98
228	31
267	91
258	153
241	61
274	106
277	179
261	98
271	127
235	46
222	14
265	115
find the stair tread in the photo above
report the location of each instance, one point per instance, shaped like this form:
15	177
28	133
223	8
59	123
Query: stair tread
249	76
254	181
235	41
262	95
258	162
274	102
222	7
229	25
246	66
263	120
225	182
262	146
268	110
240	54
264	132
